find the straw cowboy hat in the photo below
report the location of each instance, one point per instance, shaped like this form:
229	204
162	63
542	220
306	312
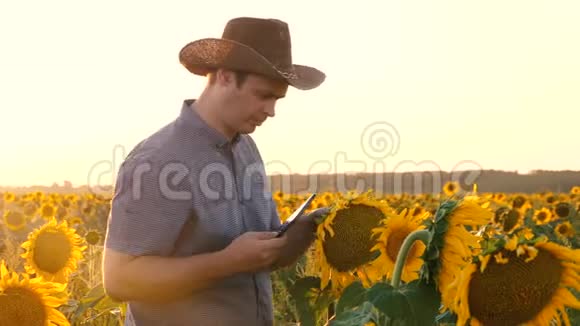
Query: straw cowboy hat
255	45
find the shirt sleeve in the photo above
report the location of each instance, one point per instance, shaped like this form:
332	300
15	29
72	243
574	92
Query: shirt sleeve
148	210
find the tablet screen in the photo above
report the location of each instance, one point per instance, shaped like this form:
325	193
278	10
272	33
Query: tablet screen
298	212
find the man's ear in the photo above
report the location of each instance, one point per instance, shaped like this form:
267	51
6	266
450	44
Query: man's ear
225	77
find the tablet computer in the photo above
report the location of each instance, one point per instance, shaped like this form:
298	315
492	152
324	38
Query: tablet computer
297	213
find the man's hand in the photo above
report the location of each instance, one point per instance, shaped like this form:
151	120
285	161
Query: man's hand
255	251
317	215
300	236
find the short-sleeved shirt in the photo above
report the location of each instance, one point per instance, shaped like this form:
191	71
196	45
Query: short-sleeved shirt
187	190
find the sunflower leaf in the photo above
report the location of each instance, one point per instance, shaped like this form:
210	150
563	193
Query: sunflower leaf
424	301
309	310
359	316
492	245
353	295
529	221
389	301
89	300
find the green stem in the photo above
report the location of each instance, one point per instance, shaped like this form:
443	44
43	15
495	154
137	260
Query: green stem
422	235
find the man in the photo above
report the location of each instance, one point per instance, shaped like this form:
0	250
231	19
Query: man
190	237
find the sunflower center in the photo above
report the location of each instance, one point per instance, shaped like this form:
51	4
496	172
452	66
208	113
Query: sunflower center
562	209
542	216
350	247
48	211
511	220
52	251
395	241
519	201
562	229
20	306
513	293
93	237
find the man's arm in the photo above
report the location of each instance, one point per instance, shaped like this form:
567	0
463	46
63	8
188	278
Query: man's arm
162	279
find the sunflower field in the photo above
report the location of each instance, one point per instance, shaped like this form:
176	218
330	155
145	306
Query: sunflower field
453	258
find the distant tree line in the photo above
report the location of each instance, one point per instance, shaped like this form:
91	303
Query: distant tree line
394	183
431	182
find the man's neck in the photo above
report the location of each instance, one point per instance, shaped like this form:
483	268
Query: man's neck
208	111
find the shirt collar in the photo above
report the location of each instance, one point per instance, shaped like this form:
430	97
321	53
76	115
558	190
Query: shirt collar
194	120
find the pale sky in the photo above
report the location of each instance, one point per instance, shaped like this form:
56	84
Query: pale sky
486	84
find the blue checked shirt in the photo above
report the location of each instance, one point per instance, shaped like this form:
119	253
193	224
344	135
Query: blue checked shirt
187	190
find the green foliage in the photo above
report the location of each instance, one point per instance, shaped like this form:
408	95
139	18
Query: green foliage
94	308
412	304
353	296
437	230
298	298
358	316
311	303
390	301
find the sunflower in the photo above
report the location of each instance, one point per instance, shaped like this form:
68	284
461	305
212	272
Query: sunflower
565	230
61	212
508	219
395	229
526	284
278	196
518	201
451	188
26	301
38	196
564	210
30	209
72	198
88	210
9	197
53	251
284	213
328	197
550	198
65	203
47	210
575	190
543	216
345	240
499	197
93	237
451	245
14	220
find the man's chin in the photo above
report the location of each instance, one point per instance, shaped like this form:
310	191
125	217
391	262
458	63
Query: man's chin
249	128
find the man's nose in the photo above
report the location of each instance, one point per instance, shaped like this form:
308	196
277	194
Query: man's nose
270	110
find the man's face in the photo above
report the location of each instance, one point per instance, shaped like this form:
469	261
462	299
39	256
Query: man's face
248	106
